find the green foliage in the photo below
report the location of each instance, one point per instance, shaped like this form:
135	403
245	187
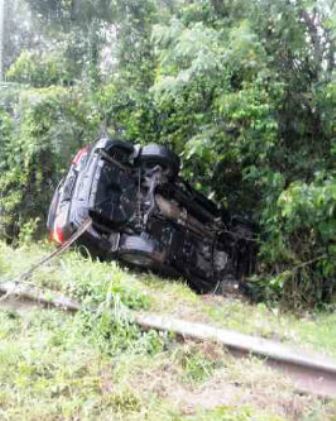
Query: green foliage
228	413
6	128
50	125
302	241
249	99
196	365
28	230
39	70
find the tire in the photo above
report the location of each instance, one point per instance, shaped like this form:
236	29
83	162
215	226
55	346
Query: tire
200	285
119	150
140	252
152	155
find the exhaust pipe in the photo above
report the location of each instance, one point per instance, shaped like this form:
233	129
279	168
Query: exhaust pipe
180	215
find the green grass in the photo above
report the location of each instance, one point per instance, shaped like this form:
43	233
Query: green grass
99	365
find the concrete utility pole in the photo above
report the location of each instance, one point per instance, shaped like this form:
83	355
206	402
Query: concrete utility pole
2	21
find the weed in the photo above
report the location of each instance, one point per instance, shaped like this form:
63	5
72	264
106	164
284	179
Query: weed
197	367
126	401
227	413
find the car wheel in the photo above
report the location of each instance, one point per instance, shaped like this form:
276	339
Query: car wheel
121	151
141	252
152	155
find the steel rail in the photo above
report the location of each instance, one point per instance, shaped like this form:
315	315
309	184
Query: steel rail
310	372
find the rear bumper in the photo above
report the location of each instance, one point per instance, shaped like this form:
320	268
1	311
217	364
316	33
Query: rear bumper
78	195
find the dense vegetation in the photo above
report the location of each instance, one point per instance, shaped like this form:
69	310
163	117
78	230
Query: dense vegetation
244	91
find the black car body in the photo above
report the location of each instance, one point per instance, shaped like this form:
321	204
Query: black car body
145	215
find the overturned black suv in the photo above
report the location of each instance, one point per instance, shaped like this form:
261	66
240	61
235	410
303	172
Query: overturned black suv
145	215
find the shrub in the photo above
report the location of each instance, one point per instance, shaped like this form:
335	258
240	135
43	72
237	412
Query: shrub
40	69
50	125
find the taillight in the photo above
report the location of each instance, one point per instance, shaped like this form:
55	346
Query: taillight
57	235
79	155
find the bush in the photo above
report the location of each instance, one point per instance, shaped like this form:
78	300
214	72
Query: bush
50	125
301	248
40	69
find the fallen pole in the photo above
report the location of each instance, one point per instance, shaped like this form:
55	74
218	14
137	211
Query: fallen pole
45	297
314	374
234	340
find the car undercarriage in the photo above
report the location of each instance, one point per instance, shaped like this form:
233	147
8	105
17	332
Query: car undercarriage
145	215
